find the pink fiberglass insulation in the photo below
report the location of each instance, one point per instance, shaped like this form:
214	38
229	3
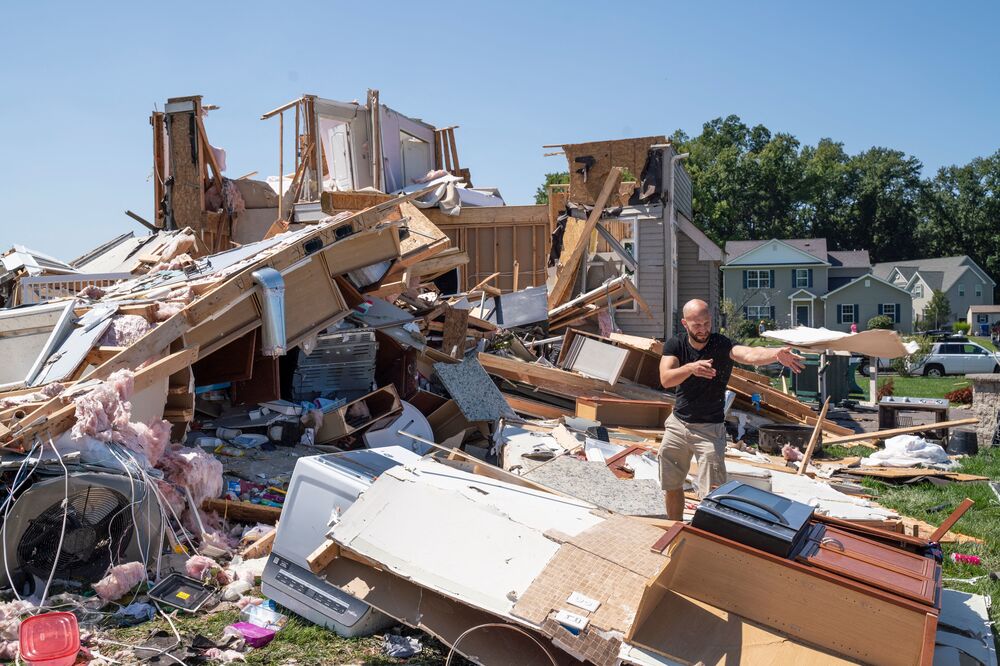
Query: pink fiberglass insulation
120	580
106	409
165	311
105	414
206	570
92	292
791	453
10	618
194	469
150	440
224	656
124	331
41	395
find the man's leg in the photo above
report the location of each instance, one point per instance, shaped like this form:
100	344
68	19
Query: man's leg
675	461
709	443
675	504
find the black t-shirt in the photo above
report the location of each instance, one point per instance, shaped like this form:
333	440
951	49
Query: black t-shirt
702	400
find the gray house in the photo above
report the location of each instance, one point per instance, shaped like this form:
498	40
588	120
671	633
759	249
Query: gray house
962	281
798	282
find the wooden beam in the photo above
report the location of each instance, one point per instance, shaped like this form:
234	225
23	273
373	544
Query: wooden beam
321	557
244	512
814	439
885	434
951	520
566	272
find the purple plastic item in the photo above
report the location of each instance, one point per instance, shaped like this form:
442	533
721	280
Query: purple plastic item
254	636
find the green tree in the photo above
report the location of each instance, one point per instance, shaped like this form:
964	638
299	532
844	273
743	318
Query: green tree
962	213
542	193
937	312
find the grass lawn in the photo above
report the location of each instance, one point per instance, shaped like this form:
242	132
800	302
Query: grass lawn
299	642
986	342
913	387
982	521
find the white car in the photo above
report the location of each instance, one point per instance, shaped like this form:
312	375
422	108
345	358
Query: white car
958	358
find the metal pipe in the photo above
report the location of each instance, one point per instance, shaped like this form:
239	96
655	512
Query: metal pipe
272	287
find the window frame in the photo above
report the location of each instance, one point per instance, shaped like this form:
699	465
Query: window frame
759	276
801	278
843	314
961	291
758	316
918	290
889	310
979	291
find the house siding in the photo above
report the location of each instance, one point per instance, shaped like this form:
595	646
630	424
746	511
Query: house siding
960	304
696	278
776	296
868	298
652	279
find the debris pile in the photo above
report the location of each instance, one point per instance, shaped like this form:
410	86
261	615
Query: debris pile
393	399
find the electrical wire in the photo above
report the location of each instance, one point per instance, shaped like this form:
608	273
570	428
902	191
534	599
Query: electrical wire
498	625
8	503
62	532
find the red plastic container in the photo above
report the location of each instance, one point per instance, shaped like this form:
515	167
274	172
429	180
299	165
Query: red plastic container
50	639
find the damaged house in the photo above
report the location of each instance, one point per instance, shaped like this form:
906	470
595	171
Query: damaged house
395	399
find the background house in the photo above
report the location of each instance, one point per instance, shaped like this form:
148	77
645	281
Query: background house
982	318
961	280
798	282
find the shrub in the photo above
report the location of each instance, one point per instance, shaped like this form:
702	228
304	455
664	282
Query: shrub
962	396
961	327
880	321
886	388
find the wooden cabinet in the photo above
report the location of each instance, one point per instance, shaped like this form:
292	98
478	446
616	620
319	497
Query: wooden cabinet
872	563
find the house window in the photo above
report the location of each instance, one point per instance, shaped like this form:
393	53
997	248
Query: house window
847	314
918	290
758	279
979	290
801	277
889	310
758	312
961	290
982	319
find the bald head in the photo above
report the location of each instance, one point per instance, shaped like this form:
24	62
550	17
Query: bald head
695	308
697	320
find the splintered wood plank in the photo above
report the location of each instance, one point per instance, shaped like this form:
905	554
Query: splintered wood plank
569	263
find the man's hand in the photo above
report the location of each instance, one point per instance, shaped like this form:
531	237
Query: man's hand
702	368
790	360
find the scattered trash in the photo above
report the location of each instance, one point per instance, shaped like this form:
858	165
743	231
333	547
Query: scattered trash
401	647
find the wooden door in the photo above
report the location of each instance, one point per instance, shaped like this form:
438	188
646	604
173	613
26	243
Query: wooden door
876	564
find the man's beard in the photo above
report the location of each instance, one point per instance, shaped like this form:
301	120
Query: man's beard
699	338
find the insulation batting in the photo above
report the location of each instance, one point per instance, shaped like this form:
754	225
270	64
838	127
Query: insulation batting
105	414
102	411
10	618
194	469
224	656
92	292
206	570
791	453
41	395
124	331
120	580
165	311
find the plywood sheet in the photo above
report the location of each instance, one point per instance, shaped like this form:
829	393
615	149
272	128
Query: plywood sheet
627	153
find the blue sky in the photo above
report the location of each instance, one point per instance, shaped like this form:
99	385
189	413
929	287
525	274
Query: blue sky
80	79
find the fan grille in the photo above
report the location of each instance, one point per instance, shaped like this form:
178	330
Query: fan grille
98	529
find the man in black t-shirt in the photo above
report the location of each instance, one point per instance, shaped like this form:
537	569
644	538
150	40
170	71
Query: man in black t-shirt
699	362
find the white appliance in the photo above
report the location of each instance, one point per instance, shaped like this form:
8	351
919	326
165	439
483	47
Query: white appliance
322	488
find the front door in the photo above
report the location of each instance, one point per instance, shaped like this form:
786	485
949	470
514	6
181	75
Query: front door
802	315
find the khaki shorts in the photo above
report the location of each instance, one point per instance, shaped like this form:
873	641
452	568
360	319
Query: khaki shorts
683	441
